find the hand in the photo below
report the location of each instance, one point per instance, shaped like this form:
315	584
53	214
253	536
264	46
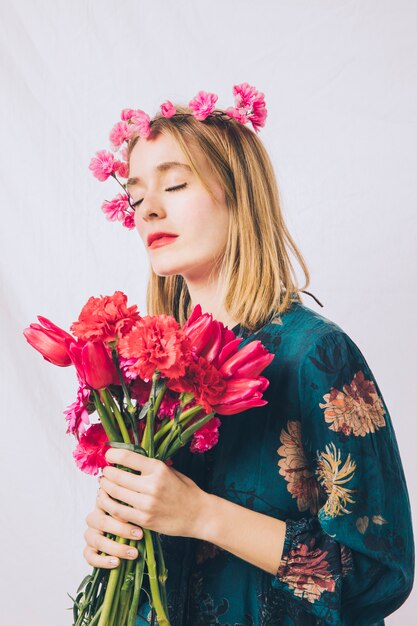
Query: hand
160	498
99	523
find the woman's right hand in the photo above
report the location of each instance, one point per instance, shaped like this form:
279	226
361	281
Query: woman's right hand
99	522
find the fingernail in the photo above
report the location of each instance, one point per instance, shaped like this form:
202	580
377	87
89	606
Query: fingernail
131	552
113	561
136	532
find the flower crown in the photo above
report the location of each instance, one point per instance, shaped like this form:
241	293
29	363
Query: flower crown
249	106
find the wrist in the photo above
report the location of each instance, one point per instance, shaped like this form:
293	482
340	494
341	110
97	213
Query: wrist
207	515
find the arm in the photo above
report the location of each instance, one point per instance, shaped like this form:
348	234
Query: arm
252	536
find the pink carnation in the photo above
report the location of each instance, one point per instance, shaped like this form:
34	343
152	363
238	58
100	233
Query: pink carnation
118	134
103	165
206	437
140	123
91	448
115	210
126	114
168	109
249	106
129	221
239	115
123	169
203	104
77	414
244	94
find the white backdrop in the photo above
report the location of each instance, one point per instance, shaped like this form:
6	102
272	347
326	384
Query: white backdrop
339	79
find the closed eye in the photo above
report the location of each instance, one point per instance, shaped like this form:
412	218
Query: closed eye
138	202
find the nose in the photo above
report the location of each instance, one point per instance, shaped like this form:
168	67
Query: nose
150	208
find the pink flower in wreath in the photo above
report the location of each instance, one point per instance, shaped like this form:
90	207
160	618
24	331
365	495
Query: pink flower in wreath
168	109
103	165
115	210
129	221
140	123
203	104
119	134
126	114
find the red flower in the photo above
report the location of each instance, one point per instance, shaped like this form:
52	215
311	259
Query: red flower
242	394
204	381
91	448
94	364
50	341
77	414
245	363
106	318
208	336
206	437
157	342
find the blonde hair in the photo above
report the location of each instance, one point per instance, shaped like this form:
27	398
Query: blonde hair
257	280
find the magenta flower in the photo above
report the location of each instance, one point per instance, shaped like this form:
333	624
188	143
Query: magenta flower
103	165
206	437
93	364
90	452
77	414
249	106
203	104
115	210
129	221
168	109
50	341
126	114
123	169
244	94
119	134
140	123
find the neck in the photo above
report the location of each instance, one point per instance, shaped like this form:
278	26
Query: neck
206	294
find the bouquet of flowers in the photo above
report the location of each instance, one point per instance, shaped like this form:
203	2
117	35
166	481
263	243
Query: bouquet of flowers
155	386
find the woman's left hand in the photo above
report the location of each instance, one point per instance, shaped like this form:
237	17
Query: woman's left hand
163	499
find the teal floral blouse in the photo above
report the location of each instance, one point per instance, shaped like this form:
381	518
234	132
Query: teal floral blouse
321	455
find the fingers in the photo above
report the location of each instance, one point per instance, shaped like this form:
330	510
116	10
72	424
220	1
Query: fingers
134	482
121	512
98	543
133	460
99	521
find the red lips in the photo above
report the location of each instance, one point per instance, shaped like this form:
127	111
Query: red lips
158	235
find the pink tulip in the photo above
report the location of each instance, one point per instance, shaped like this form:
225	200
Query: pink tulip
207	336
242	394
93	364
247	362
50	341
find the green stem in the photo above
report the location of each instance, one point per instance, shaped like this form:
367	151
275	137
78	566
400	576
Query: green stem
111	590
188	414
153	579
105	419
163	572
111	407
116	597
186	436
130	406
139	569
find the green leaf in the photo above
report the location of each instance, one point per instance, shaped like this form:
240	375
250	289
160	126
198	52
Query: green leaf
86	579
144	410
127	446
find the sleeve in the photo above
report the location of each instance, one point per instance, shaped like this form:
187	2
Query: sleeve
350	559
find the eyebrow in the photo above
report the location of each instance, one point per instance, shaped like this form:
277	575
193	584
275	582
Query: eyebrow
162	167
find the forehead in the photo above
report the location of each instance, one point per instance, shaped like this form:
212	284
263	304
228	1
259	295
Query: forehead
155	156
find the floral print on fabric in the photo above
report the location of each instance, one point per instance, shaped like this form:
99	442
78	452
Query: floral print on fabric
356	410
333	475
295	468
305	568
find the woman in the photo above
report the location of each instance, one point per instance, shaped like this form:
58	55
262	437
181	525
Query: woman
300	514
